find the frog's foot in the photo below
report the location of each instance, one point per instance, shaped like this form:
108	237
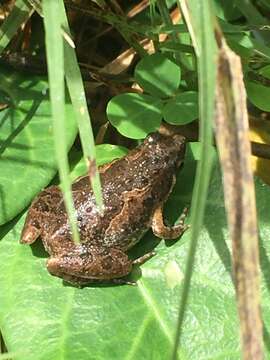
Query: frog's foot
123	282
168	232
142	259
89	263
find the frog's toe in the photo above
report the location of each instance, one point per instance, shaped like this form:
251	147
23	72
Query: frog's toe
168	232
29	234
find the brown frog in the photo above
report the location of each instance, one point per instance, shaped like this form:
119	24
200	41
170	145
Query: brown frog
135	188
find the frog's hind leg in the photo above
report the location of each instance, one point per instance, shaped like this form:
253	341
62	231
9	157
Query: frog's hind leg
168	232
90	263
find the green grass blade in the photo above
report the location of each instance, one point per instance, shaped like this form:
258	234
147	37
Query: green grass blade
21	11
76	91
36	4
55	60
198	17
165	14
250	12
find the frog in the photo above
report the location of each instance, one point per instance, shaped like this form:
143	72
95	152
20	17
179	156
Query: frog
134	188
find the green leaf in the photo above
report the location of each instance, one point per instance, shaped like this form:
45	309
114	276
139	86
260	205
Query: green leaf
135	115
42	318
105	153
158	75
241	43
265	71
182	109
27	161
108	152
259	95
265	3
251	12
261	50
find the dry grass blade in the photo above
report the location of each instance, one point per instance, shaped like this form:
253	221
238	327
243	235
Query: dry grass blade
232	137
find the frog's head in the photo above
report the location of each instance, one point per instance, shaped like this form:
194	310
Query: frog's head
169	148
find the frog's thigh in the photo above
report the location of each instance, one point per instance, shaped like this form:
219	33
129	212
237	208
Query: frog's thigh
92	263
168	232
74	280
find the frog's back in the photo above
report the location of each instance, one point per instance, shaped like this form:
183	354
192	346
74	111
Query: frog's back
132	189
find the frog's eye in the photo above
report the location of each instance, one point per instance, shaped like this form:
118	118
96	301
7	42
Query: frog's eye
88	209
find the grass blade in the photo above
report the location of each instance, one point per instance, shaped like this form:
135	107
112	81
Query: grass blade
198	17
232	134
165	14
76	91
250	12
55	60
21	11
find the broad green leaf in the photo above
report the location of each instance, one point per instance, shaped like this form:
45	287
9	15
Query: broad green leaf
27	161
182	109
241	43
259	95
158	75
105	153
42	318
108	152
135	115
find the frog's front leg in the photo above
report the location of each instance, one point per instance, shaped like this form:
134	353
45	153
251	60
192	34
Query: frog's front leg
168	232
39	214
88	263
31	230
